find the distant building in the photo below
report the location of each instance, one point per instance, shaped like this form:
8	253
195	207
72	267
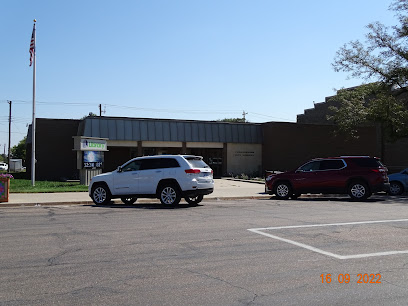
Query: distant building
229	148
79	149
396	153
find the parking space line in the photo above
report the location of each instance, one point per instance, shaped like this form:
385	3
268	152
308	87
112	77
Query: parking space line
260	231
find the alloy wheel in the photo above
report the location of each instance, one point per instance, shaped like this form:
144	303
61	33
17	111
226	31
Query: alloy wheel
99	195
396	189
358	191
168	195
282	190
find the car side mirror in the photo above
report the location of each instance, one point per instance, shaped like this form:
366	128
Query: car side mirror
119	169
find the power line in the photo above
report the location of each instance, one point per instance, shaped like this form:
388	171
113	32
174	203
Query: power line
262	115
157	110
6	132
130	107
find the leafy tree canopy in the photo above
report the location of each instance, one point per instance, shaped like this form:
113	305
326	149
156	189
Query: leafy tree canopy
384	56
91	114
368	104
237	120
19	151
382	59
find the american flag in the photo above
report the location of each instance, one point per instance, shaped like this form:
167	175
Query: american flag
32	46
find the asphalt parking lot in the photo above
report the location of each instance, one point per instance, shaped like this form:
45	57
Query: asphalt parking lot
311	251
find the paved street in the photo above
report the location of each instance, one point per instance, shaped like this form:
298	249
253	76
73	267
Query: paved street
313	251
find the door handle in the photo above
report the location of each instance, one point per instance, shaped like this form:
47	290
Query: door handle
158	171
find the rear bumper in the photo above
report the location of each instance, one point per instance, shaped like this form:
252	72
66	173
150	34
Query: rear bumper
196	192
380	187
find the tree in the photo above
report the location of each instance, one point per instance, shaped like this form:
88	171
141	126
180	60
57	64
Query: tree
383	58
91	114
236	120
368	104
19	151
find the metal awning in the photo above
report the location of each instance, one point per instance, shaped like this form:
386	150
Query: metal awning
138	129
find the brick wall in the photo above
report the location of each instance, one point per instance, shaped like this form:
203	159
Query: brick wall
288	145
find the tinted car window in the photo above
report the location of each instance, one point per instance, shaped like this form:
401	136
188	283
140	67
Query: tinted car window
168	163
152	163
196	162
132	166
311	166
366	162
331	164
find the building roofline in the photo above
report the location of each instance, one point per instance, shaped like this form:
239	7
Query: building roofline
173	120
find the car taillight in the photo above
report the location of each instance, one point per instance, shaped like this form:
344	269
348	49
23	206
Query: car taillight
193	171
376	170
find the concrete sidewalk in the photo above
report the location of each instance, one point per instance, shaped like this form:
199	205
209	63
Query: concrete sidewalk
224	189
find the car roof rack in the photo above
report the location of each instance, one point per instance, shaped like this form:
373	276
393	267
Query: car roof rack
354	156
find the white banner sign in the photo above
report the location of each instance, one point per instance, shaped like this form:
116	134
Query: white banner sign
93	145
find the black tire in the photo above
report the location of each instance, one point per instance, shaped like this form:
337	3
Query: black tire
100	194
194	200
128	200
396	188
169	195
358	191
283	190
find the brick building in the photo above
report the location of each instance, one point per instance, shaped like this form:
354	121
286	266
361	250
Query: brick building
229	148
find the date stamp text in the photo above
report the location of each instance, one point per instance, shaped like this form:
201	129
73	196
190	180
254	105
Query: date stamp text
361	278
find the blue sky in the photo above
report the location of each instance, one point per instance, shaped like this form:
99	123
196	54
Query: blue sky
179	59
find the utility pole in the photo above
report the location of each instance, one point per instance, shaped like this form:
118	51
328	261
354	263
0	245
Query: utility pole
101	111
243	115
33	124
8	169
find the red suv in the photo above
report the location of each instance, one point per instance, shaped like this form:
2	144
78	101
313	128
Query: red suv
358	176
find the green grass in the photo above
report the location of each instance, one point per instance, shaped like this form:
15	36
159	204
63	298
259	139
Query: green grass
24	186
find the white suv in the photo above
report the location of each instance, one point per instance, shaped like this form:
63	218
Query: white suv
166	177
3	166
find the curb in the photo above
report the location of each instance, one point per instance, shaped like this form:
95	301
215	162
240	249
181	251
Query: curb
245	181
117	201
4	205
156	201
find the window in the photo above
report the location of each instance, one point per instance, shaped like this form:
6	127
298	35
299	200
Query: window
367	162
169	163
197	162
151	163
331	164
132	166
311	166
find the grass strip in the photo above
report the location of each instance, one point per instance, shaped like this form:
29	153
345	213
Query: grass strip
24	186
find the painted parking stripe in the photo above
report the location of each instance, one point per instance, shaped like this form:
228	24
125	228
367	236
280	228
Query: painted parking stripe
260	231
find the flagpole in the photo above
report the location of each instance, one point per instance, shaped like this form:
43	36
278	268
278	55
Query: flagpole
33	123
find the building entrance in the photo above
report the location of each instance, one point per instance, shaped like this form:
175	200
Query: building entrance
213	158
